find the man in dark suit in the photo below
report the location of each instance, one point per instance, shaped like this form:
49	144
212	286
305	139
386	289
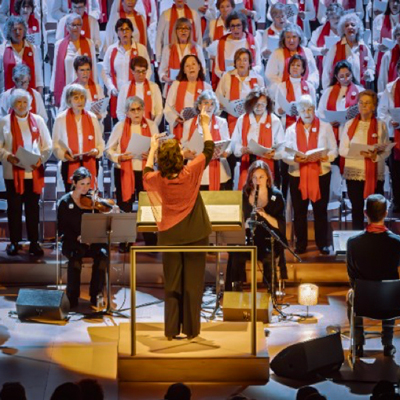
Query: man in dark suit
374	255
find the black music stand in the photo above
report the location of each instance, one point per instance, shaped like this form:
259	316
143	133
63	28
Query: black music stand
108	228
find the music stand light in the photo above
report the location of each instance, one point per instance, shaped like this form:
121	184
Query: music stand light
308	296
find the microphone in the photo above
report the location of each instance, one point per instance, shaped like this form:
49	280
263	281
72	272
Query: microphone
253	215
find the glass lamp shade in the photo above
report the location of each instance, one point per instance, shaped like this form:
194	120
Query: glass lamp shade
308	294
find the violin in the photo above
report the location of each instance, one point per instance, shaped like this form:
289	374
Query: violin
89	202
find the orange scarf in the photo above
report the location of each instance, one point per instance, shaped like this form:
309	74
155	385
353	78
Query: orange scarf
309	172
127	174
214	170
140	25
60	79
370	167
174	17
180	103
148	102
17	141
113	73
264	139
89	143
394	57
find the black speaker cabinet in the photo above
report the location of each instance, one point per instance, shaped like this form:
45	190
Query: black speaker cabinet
43	304
307	359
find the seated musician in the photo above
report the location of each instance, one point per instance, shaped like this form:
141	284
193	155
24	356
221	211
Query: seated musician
365	262
69	216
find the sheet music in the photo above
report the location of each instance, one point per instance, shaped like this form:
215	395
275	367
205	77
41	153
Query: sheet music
173	73
138	144
389	43
235	108
195	144
220	148
272	43
395	114
100	106
291	10
352	112
330	41
335	116
26	158
286	106
312	155
189	113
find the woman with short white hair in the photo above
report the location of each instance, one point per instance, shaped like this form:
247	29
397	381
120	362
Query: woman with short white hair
217	173
77	136
350	47
24	185
291	42
310	176
17	50
65	53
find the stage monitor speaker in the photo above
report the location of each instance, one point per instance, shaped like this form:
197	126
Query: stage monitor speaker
237	306
42	304
311	358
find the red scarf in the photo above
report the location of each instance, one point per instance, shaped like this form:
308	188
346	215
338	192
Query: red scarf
60	80
148	102
92	89
351	100
248	5
85	27
9	63
309	172
33	104
341	55
180	103
287	56
221	49
17	141
103	11
214	170
33	24
375	228
396	101
386	32
140	25
127	174
290	97
370	166
325	31
147	9
89	143
12	8
218	30
264	139
174	61
174	17
113	73
234	94
302	8
394	57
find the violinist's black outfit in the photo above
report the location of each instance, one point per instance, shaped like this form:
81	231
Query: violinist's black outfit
237	261
69	226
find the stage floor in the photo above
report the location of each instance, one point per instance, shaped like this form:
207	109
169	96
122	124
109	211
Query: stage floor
42	356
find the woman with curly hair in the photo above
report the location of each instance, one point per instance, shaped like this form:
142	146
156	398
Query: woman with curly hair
182	220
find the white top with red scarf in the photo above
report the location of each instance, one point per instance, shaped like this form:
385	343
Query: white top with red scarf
38	78
60	136
72	53
384	71
276	65
326	140
156	100
42	148
59	8
278	134
377	28
113	147
386	102
162	38
354	169
225	172
266	35
169	111
224	86
312	44
94	30
352	56
121	64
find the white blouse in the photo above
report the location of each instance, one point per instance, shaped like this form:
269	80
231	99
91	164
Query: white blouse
386	103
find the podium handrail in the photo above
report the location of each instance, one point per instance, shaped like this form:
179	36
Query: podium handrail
198	249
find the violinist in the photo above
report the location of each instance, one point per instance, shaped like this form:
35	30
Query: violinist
71	207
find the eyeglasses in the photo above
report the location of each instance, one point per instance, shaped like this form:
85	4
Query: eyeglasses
183	28
74	26
136	110
140	72
123	29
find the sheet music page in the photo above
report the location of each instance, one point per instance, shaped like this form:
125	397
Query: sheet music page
147	214
223	213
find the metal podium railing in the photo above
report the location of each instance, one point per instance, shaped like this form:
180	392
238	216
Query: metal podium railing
198	249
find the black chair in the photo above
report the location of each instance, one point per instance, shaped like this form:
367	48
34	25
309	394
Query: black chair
378	300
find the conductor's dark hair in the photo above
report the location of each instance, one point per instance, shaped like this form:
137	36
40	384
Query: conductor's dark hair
122	21
300	58
80	174
182	76
339	65
170	159
236	15
91	389
376	207
259	164
139	61
67	391
12	391
82	60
